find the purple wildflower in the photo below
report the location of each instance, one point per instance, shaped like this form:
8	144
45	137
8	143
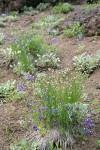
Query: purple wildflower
21	44
55	123
83	129
31	111
30	77
30	121
89	133
45	108
77	108
47	98
54	40
40	118
53	110
68	108
79	37
20	87
39	111
35	128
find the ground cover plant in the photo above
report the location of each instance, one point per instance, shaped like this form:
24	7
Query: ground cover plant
49	21
8	91
43	6
87	63
63	8
73	30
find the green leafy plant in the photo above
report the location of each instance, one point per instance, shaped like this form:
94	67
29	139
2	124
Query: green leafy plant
47	60
26	49
1	38
86	63
43	6
11	18
25	8
23	145
8	90
13	13
73	30
49	21
63	8
97	143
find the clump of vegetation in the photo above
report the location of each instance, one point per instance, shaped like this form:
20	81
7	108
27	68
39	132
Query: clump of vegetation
8	91
13	13
48	60
43	6
25	8
49	21
63	8
29	11
91	6
31	51
97	143
87	63
73	30
23	145
60	106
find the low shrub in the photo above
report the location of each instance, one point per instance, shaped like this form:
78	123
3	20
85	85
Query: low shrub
63	8
43	6
8	91
87	63
49	21
48	60
73	30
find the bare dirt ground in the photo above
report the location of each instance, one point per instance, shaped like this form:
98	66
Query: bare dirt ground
12	112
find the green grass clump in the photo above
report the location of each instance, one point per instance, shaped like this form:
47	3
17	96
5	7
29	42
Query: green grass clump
73	30
61	98
63	8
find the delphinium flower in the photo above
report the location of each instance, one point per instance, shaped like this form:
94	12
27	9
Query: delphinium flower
79	37
77	108
20	87
31	111
54	40
21	44
68	108
30	77
35	128
45	108
55	123
53	111
47	98
40	118
39	111
87	125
